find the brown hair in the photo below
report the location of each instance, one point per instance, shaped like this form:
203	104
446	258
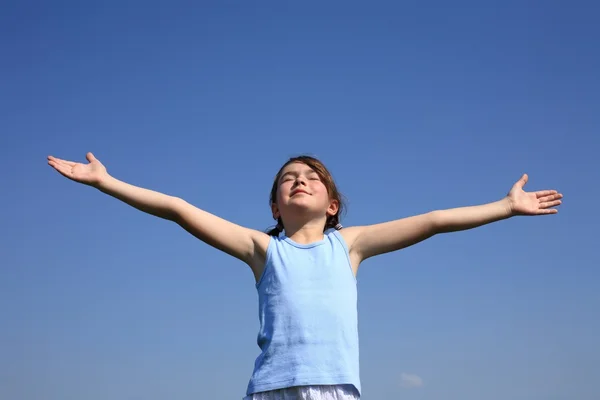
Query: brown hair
333	221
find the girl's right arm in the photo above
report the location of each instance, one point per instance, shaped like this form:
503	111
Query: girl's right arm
245	244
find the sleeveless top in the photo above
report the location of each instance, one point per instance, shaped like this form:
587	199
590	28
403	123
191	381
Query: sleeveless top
307	298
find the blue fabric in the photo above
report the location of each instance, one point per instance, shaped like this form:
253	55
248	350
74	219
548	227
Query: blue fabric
308	316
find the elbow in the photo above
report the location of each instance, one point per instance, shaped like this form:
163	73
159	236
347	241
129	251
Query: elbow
436	221
175	208
443	221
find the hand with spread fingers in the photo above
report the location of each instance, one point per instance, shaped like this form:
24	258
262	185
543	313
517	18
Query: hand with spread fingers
532	203
91	174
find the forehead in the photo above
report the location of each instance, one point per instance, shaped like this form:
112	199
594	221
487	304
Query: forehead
297	168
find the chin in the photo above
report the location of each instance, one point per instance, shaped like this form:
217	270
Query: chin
302	206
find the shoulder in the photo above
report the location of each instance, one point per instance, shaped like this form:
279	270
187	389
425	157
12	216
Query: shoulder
260	239
350	234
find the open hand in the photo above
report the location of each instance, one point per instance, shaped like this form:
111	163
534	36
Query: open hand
532	203
90	174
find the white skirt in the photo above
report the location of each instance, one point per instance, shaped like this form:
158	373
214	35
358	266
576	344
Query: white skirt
318	392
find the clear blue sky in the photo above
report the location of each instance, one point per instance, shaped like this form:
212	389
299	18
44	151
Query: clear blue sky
412	107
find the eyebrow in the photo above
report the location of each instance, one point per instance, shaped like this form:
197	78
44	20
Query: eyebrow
307	171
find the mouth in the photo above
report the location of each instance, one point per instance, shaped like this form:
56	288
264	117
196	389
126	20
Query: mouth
295	192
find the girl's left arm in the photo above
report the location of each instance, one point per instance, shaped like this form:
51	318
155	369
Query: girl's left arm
371	240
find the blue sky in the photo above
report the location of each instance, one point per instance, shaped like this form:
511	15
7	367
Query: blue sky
412	106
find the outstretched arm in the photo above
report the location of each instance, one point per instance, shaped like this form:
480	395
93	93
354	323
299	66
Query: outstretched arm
246	244
368	241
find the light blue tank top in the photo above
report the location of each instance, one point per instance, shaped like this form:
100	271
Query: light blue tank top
307	299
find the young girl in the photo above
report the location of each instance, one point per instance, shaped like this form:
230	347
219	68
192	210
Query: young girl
305	268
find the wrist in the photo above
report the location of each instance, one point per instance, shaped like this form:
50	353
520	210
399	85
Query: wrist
507	206
104	182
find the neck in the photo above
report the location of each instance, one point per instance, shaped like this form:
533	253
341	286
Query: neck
306	233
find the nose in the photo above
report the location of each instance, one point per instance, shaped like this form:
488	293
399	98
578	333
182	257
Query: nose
300	180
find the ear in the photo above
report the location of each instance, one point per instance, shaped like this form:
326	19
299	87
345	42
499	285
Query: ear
333	208
275	211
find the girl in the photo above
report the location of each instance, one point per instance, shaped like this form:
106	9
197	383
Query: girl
305	268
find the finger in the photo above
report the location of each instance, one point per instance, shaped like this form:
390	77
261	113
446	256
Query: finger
61	161
62	169
66	163
59	167
550	204
543	193
550	198
52	158
547	211
521	182
90	157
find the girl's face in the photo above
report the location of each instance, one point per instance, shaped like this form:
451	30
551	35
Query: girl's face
300	189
